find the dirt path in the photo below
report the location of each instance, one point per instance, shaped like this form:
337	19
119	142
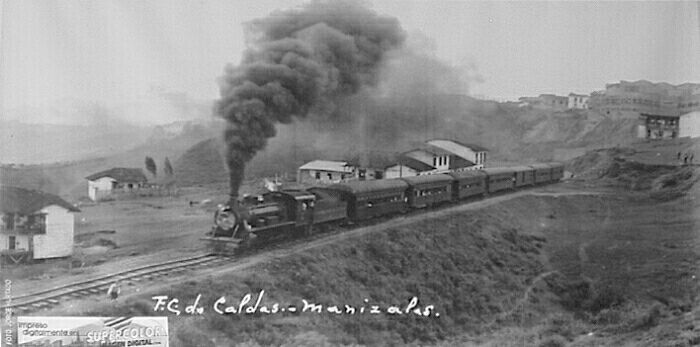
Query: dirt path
520	302
164	285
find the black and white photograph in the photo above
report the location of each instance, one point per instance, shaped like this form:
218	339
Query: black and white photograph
204	173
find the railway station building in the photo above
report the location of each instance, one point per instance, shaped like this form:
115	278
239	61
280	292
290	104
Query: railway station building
34	225
438	156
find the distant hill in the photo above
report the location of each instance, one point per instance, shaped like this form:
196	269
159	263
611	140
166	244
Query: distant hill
203	163
67	178
47	143
388	127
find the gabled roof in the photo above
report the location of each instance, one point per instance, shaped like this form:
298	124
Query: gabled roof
327	165
121	174
415	164
458	162
27	201
446	145
375	160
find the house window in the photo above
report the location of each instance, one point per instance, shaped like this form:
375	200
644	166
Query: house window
9	221
435	161
330	176
318	175
13	242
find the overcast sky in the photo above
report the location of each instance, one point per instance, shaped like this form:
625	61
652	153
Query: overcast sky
138	51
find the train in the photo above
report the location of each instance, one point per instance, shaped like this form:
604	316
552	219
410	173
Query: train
293	212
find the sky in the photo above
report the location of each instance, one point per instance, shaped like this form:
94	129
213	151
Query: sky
128	57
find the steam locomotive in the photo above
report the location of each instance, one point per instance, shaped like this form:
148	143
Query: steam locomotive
293	212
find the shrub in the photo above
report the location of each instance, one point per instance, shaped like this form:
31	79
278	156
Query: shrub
649	319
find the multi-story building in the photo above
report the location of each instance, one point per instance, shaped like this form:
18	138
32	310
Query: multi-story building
631	99
652	126
578	101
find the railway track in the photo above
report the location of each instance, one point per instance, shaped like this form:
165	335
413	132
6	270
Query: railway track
50	297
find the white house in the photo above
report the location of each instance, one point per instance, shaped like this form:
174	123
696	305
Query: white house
120	179
325	172
474	154
669	127
34	225
689	125
578	101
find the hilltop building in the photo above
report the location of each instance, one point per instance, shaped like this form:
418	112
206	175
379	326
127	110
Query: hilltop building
654	126
34	225
116	180
578	101
547	101
631	99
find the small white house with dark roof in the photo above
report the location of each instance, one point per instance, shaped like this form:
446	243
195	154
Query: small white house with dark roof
120	179
34	225
325	172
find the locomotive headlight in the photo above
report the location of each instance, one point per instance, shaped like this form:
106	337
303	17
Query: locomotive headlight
225	218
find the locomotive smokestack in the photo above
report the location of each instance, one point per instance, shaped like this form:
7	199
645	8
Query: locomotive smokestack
299	62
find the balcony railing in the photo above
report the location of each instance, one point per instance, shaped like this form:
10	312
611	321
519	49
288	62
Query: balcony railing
23	230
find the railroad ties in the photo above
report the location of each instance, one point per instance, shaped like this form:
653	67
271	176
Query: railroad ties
48	298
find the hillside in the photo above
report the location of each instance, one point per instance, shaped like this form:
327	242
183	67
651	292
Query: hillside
40	143
67	178
385	126
391	126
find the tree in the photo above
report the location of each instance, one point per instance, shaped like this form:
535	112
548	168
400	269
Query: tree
167	168
151	166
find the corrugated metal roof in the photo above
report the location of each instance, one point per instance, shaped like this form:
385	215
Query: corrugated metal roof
438	178
358	187
121	174
26	201
415	164
375	160
450	145
498	170
327	165
435	149
457	162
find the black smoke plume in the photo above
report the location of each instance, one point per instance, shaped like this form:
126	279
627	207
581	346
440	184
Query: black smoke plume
299	62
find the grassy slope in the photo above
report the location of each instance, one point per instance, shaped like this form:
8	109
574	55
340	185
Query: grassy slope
470	266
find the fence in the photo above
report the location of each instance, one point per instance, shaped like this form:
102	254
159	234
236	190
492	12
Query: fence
148	191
